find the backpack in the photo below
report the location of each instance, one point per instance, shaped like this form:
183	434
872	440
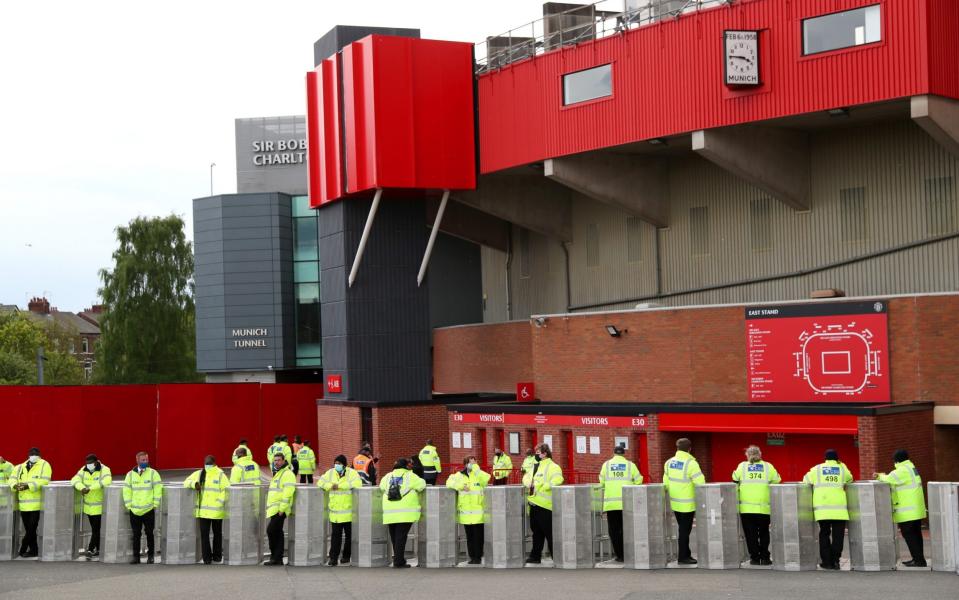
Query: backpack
394	493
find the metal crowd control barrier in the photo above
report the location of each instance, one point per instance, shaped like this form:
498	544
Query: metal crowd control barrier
242	525
504	527
602	544
873	545
644	526
717	526
795	542
8	524
116	535
573	527
55	532
370	543
309	527
436	545
178	529
944	526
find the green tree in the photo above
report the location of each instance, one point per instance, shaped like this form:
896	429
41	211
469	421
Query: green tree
20	336
146	333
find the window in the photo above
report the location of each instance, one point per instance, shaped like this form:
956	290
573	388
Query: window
842	30
524	253
72	348
759	235
513	442
634	239
306	277
588	85
592	245
309	348
84	345
305	239
699	230
852	214
940	206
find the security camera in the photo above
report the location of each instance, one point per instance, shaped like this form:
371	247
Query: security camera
540	321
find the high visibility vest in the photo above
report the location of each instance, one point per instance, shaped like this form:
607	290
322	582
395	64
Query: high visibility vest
5	470
681	475
245	447
362	462
407	508
502	466
528	463
470	497
306	459
142	491
753	489
829	481
614	474
211	498
908	499
279	448
339	489
36	477
245	471
282	491
547	476
94	481
430	460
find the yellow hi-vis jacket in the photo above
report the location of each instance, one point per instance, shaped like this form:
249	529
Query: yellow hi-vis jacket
339	489
211	498
470	495
407	508
540	482
306	460
829	481
502	466
142	491
282	492
528	463
681	475
245	471
753	489
36	477
430	460
248	453
614	474
279	448
908	499
94	481
5	470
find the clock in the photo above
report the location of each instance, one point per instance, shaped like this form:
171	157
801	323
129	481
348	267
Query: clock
741	56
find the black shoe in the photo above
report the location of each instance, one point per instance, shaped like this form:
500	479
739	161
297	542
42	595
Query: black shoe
914	563
345	560
93	553
533	561
149	560
755	562
135	561
208	562
688	561
835	566
765	562
29	555
475	561
273	563
402	566
619	560
331	562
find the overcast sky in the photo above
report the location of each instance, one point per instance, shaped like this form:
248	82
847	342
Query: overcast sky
112	110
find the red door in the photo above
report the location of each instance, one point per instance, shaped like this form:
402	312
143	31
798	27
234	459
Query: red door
797	454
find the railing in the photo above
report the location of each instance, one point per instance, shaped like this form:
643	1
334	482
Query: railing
582	23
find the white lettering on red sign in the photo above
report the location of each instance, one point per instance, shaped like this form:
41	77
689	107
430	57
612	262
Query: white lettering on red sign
491	418
594	421
457	417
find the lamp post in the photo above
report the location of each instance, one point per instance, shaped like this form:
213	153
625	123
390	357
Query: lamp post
212	164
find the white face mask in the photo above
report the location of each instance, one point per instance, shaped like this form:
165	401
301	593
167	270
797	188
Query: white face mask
32	458
91	466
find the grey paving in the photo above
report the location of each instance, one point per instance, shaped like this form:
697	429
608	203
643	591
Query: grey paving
28	579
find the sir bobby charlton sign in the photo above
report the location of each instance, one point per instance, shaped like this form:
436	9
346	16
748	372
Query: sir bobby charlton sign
277	153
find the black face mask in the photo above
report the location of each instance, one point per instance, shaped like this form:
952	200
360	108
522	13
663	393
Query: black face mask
538	458
499	454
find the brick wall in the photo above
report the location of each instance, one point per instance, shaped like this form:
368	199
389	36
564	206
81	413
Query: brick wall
340	432
403	430
947	449
881	436
482	358
676	356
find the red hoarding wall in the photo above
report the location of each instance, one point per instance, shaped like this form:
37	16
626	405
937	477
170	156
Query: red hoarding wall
178	424
671	73
837	352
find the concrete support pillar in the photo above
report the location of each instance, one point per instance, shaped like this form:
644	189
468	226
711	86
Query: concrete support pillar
776	161
636	184
940	118
527	200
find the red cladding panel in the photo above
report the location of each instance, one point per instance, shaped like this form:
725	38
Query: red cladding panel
761	423
668	77
323	131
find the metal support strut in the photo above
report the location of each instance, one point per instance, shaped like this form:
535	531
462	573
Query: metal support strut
366	235
433	233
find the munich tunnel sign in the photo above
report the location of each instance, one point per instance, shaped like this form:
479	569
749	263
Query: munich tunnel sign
828	352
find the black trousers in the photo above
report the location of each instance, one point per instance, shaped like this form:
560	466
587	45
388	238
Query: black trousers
474	541
94	532
143	523
685	522
831	535
306	478
214	554
756	532
502	481
541	522
398	534
614	519
274	533
28	543
430	478
338	532
912	533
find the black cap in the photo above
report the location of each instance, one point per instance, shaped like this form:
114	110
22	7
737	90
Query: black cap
619	449
33	451
92	458
832	454
340	459
900	456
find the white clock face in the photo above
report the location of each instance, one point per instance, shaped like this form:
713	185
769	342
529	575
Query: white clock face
742	58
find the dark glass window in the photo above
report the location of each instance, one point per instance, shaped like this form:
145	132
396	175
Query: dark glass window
588	85
842	30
